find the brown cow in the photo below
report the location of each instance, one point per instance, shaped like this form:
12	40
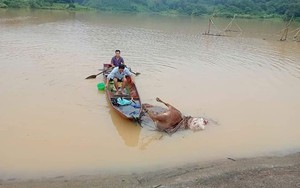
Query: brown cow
171	120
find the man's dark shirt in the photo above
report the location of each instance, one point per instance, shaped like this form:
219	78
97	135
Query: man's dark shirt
116	62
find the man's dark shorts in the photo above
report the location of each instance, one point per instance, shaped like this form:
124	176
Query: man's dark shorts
119	80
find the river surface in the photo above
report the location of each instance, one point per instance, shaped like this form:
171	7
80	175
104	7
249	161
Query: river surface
54	122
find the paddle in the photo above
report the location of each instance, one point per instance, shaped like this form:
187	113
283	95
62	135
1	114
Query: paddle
135	73
95	75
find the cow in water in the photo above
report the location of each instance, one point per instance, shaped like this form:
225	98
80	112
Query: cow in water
171	119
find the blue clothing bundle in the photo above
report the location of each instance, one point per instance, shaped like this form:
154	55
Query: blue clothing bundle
123	102
135	105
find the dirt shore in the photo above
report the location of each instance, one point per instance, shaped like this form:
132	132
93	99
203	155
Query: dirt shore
275	171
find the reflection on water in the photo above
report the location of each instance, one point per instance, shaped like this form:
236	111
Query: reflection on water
149	139
127	130
53	120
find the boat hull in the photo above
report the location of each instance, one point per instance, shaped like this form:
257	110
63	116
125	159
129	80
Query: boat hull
130	111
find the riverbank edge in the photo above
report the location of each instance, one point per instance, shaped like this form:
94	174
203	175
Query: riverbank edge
270	171
78	8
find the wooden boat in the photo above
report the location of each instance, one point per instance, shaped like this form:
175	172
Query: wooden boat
130	111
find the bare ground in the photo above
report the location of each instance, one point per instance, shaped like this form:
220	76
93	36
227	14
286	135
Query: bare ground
283	171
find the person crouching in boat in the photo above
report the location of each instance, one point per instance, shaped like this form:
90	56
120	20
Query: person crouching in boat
119	74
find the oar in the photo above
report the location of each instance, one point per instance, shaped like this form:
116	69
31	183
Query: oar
135	73
95	75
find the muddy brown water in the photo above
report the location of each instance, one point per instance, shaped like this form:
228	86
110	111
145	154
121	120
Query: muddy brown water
54	122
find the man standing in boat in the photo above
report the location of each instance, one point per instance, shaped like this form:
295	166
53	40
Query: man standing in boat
117	59
119	74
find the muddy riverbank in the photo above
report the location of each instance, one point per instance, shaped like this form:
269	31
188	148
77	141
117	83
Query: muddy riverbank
275	171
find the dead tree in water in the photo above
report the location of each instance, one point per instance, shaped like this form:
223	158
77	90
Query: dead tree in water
286	30
297	33
229	26
210	22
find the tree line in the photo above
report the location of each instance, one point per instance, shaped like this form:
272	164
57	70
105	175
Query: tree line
35	4
225	8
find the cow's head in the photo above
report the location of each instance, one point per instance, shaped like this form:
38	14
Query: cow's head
197	124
